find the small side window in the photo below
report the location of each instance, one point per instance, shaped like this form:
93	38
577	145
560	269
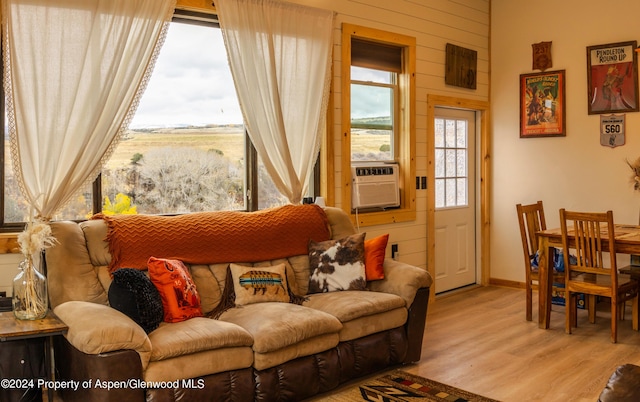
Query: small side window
378	113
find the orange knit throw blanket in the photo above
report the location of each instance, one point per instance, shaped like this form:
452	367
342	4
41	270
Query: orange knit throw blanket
214	237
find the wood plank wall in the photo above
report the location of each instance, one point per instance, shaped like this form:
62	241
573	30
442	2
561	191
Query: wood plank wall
435	23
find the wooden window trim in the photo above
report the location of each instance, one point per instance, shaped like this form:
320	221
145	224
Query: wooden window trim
406	125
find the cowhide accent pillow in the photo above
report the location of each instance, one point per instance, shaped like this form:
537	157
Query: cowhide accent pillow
259	284
337	264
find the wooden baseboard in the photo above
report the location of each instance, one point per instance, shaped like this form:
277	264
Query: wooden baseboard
506	283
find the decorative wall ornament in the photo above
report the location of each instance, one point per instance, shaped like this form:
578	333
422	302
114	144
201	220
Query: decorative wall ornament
461	66
612	73
542	56
612	130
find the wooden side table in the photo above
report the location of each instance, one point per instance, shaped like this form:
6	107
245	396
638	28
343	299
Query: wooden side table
28	346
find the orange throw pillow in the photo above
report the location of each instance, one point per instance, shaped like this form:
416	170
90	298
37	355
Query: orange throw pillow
374	252
180	298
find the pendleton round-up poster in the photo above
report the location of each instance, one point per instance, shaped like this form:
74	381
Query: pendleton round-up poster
613	78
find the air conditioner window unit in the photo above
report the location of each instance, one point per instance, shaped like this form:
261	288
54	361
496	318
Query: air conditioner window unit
374	185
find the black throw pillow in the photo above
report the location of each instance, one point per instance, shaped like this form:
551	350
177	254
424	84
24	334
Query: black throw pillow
132	293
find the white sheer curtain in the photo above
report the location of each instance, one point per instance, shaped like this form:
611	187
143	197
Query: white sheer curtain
74	71
280	58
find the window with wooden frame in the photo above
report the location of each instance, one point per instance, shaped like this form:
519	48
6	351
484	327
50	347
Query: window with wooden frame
378	68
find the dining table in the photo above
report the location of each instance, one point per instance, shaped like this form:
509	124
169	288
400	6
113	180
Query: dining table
627	241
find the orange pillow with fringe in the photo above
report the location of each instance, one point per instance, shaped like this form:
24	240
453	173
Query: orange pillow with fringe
374	253
180	298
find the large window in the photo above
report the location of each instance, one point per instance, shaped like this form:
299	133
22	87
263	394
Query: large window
186	149
378	112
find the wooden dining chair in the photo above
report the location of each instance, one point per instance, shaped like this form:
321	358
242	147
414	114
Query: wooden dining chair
591	235
531	220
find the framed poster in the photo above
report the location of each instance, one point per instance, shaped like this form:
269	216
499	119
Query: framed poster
542	104
612	74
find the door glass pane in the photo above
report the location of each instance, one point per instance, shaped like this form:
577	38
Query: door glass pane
450	135
439	133
450	192
440	163
461	187
451	162
461	135
450	170
461	162
440	193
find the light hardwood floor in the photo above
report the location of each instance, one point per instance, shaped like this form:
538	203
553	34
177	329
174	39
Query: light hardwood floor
479	340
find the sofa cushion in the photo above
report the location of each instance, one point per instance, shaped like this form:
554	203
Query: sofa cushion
259	284
196	335
95	328
337	264
374	253
361	313
132	293
199	365
309	347
349	305
207	285
197	347
179	295
340	223
279	326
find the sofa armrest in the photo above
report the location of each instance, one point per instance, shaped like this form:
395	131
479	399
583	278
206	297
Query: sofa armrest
96	328
402	279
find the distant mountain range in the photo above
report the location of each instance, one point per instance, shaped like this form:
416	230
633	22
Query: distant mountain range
383	122
150	128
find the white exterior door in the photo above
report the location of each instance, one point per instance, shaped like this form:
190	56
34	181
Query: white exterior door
455	194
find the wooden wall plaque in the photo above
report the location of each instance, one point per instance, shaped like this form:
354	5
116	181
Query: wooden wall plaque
461	66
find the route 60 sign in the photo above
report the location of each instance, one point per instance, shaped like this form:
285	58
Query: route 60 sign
612	130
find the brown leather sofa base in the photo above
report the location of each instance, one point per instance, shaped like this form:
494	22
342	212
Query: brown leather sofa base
303	377
236	385
294	380
291	381
623	385
72	364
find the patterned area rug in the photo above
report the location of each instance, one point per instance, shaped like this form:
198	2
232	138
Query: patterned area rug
401	386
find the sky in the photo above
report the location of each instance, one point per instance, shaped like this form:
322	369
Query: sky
191	82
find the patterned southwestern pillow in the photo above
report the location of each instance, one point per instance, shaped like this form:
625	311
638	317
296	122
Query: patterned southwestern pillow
177	290
337	264
374	252
132	293
259	284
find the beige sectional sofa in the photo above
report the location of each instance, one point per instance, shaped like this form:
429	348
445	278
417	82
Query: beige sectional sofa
263	351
